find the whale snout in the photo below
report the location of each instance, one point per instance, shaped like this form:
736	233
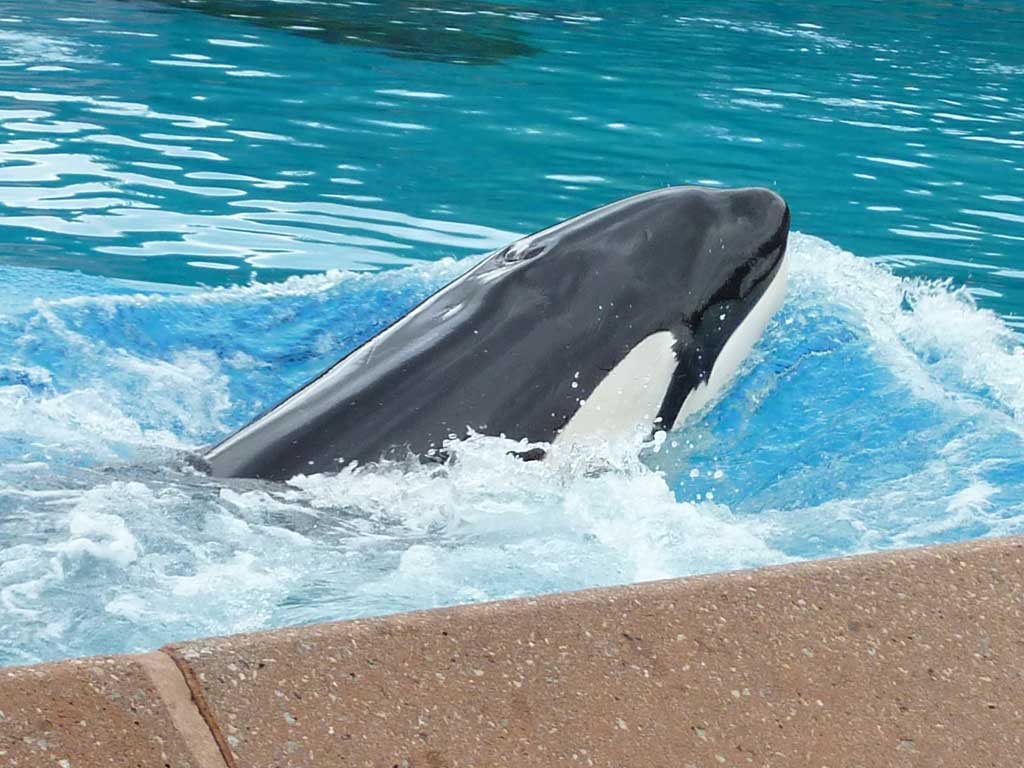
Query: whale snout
763	211
776	213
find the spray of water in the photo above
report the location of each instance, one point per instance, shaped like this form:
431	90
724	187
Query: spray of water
877	412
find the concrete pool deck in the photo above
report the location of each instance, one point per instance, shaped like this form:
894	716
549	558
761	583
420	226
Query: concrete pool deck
908	658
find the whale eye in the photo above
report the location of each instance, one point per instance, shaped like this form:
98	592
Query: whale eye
518	252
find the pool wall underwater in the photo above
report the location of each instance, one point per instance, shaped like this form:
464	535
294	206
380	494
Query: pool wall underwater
907	658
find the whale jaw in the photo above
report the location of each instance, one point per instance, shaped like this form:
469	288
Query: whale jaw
737	348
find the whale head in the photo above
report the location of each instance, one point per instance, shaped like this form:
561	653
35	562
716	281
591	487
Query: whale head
675	285
627	318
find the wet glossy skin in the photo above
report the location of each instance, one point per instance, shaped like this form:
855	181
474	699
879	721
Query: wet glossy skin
499	350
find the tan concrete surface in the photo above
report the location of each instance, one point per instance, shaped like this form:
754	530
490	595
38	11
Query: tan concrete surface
88	713
190	721
902	659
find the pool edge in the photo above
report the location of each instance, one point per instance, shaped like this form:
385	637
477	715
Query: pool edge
896	658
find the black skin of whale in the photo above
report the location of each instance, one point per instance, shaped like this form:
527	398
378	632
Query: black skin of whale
498	349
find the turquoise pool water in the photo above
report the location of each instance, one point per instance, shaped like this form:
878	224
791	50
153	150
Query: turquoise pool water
206	202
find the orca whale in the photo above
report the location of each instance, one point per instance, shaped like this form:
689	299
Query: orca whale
635	314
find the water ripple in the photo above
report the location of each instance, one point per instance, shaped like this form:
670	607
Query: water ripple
169	136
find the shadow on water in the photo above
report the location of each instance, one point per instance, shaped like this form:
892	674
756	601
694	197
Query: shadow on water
451	31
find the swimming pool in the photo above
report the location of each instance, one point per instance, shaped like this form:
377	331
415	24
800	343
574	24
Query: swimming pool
205	203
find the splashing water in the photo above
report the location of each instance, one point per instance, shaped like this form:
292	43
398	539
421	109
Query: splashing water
877	412
183	143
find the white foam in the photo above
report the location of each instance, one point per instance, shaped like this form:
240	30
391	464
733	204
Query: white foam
127	557
102	535
933	336
432	273
605	493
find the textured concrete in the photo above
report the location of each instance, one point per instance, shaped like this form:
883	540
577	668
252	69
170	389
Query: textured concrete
192	722
904	659
86	713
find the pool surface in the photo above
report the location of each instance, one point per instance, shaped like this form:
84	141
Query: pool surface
207	202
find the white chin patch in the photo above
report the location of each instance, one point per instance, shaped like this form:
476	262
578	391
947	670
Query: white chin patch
629	397
626	402
737	346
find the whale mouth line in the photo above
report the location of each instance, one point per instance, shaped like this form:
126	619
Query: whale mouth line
706	385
